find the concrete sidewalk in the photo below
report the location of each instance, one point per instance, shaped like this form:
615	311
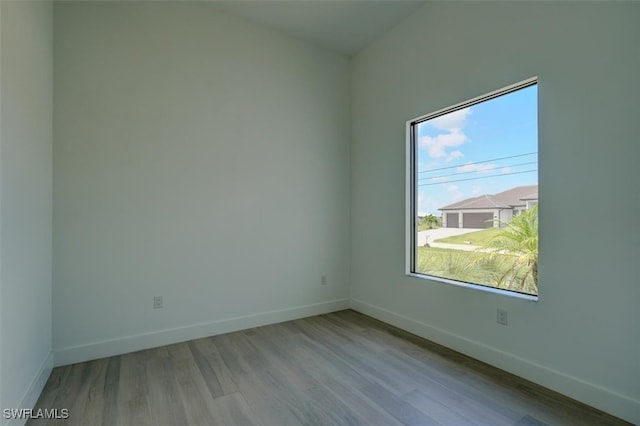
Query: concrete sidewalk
465	247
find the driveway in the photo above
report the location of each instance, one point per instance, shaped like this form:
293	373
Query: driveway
427	237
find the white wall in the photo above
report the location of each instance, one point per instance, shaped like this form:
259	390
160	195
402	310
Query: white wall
198	157
582	337
25	201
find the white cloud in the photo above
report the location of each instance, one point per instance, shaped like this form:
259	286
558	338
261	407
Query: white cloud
439	179
474	167
429	165
437	146
454	155
455	192
453	120
506	169
426	205
476	189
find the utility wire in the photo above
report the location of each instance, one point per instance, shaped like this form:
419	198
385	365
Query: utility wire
478	162
480	177
478	171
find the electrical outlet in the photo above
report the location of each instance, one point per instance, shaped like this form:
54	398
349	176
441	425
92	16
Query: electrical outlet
323	280
501	317
157	302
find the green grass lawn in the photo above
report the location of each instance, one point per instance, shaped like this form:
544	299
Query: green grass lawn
474	267
478	238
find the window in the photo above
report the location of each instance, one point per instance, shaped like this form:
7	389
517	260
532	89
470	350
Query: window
472	192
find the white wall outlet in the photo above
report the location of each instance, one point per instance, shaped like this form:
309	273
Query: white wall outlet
323	280
501	317
157	302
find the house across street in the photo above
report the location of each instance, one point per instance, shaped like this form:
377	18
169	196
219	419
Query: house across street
487	211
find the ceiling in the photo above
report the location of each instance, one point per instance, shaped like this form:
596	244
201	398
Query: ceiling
344	26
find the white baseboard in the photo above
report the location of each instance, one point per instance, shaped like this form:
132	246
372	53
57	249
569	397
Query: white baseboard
619	405
35	389
122	345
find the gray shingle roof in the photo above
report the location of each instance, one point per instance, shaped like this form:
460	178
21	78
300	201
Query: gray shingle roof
503	200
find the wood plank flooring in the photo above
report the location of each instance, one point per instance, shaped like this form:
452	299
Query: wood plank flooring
342	368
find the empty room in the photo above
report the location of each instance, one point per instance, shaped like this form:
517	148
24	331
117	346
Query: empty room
319	212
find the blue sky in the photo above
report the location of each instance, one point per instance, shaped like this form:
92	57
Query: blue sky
459	153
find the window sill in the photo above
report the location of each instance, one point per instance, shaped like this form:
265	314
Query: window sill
522	296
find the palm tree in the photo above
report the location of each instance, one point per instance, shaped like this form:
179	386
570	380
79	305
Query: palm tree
519	239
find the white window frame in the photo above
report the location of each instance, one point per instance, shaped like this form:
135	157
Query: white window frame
411	192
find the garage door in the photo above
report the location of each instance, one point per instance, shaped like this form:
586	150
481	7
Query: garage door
452	220
477	220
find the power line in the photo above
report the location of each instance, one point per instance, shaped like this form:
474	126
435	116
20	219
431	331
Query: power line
478	171
478	162
476	178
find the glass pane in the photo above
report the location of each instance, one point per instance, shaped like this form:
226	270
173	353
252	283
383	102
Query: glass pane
477	193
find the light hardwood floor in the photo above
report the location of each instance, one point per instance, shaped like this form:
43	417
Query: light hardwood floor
342	368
